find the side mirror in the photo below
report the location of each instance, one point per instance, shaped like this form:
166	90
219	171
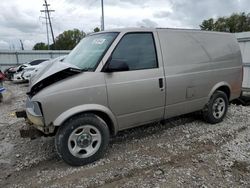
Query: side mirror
115	65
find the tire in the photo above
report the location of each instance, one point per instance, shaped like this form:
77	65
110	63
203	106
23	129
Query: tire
82	139
216	109
1	97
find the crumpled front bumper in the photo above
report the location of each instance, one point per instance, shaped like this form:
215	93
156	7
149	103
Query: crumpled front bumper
34	117
34	126
35	120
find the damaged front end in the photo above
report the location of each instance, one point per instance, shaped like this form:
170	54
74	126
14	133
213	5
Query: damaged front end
34	119
29	131
33	114
52	79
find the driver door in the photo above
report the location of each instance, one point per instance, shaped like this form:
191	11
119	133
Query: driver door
136	96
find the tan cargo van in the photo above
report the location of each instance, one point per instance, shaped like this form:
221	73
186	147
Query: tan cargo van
119	79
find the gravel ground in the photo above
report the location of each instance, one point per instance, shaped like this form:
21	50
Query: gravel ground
184	152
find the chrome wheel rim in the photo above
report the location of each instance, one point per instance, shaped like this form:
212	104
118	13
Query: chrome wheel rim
219	108
84	141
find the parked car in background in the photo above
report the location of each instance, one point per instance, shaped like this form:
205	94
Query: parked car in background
119	79
9	73
31	66
37	62
17	76
30	72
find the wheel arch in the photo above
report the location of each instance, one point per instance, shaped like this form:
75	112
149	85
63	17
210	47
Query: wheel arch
222	86
99	110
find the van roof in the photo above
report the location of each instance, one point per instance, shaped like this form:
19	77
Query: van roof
157	29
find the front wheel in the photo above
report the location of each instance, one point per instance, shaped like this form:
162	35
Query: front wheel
82	139
216	109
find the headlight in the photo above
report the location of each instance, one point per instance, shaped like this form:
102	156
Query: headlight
35	106
34	114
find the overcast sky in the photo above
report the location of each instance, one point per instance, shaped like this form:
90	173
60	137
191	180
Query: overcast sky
21	19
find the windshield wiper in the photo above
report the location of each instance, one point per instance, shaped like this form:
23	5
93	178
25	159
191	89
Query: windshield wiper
86	69
75	70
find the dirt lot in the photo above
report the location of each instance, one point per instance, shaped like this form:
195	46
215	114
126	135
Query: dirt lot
185	152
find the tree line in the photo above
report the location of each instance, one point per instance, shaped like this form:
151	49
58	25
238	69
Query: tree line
64	41
237	22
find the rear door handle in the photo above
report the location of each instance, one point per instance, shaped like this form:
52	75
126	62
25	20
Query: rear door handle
161	83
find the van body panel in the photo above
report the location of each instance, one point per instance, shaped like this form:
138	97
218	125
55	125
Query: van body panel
84	88
86	108
187	107
142	117
135	96
195	62
132	94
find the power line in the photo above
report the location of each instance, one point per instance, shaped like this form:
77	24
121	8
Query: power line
47	18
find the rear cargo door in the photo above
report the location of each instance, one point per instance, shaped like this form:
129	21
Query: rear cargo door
137	96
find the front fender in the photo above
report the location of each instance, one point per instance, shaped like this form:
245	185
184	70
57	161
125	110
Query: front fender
86	108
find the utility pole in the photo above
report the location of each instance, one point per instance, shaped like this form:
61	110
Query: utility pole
47	28
102	22
47	18
21	42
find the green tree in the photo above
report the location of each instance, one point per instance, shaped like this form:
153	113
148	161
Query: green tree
97	29
40	46
65	41
68	39
234	23
207	24
221	25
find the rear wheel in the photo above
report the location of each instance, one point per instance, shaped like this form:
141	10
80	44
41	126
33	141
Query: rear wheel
82	139
216	109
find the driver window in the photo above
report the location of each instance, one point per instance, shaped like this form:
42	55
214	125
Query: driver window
137	50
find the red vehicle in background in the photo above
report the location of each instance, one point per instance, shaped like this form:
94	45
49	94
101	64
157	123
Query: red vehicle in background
2	78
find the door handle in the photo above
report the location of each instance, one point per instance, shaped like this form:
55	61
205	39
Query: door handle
161	83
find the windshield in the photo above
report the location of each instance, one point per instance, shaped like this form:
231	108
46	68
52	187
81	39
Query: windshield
88	53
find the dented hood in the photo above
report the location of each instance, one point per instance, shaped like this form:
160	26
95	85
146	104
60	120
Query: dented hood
50	73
